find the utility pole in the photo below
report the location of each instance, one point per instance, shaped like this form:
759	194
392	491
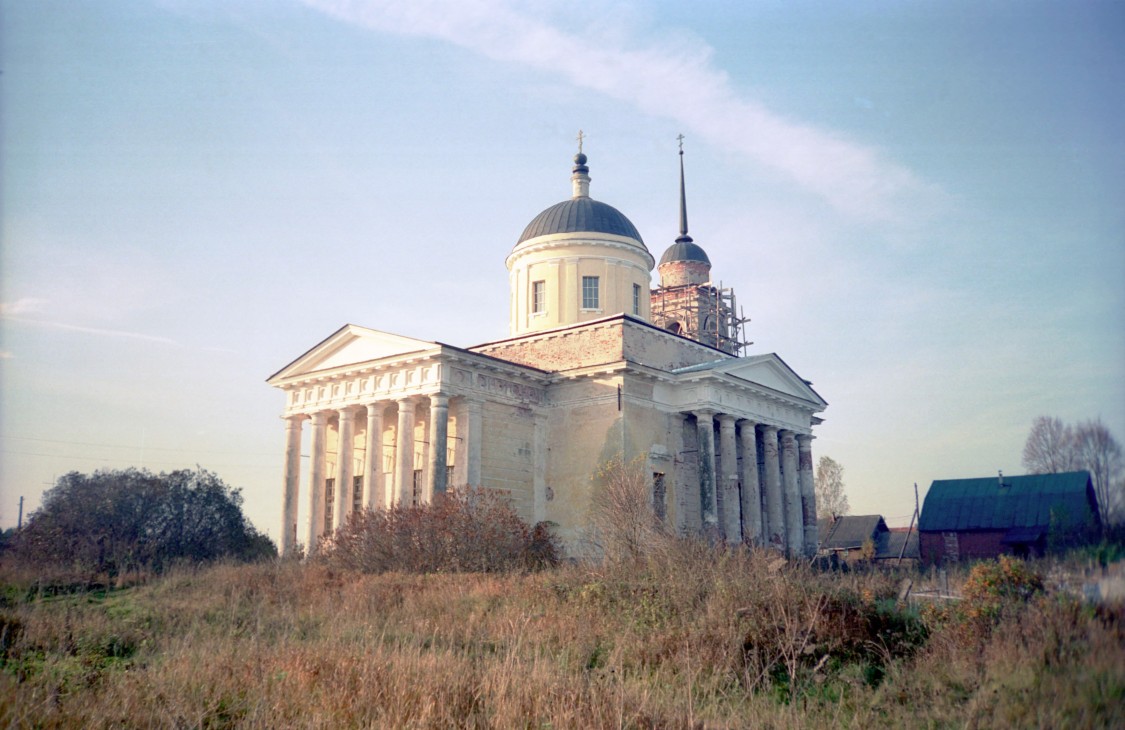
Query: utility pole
19	524
910	529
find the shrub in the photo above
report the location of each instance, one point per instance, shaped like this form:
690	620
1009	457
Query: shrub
992	585
112	522
468	530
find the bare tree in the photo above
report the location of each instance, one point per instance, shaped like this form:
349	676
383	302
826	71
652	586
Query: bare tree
625	521
1096	450
1050	447
829	484
1053	447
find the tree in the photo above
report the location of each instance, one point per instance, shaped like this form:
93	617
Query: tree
130	519
1053	447
1100	454
1050	447
829	484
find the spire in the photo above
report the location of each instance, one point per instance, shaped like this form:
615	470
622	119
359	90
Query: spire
684	237
580	175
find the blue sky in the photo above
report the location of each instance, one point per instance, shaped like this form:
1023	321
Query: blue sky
919	204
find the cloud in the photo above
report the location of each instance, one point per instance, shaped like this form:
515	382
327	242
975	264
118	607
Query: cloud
24	305
853	178
97	331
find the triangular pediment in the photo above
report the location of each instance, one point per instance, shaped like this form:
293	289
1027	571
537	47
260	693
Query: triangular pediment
350	345
770	371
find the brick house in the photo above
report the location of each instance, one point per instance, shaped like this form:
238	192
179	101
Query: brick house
969	519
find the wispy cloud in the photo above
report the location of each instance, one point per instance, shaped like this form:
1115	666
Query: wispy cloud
97	331
853	178
24	305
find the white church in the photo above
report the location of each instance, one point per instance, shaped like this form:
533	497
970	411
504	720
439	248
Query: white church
598	365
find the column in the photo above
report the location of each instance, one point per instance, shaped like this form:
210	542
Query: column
316	480
404	454
345	469
475	433
775	505
808	492
730	507
437	481
794	517
751	493
292	486
708	502
374	491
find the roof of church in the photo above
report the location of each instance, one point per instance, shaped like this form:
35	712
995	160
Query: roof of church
581	215
684	251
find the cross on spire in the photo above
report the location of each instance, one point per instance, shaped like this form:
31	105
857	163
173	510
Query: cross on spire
580	138
681	140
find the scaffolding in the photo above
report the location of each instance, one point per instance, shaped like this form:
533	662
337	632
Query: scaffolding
702	312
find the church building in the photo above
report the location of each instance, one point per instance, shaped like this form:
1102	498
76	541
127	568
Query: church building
598	365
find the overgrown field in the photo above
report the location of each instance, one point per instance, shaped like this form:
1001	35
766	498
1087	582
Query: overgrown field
687	638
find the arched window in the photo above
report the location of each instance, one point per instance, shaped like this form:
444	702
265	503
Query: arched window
673	327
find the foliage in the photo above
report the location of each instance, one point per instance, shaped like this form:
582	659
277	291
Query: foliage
831	501
625	524
467	530
993	584
1053	447
693	637
128	520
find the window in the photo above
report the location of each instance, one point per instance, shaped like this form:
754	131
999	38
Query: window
357	494
659	496
538	297
637	299
417	487
590	292
329	503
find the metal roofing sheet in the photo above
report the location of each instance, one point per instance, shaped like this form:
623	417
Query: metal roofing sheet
1022	501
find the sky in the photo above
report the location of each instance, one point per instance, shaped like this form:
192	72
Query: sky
920	205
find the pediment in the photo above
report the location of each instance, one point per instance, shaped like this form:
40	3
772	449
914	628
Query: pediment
770	371
350	345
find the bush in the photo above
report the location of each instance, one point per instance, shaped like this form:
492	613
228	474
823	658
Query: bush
112	522
469	530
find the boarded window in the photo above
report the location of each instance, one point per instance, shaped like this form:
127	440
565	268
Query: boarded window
659	496
357	494
329	503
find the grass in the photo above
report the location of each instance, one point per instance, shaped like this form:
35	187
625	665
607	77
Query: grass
685	639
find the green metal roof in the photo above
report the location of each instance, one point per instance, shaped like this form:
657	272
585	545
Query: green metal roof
1022	501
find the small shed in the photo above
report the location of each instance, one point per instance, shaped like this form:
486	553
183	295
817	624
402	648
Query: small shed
966	519
846	536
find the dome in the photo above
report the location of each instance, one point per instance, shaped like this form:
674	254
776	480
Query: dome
684	251
581	215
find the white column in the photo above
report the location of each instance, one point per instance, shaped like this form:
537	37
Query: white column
808	492
292	487
437	481
730	507
404	453
794	515
775	505
316	480
751	493
708	504
373	489
474	435
345	449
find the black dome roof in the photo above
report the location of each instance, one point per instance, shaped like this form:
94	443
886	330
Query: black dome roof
581	215
684	251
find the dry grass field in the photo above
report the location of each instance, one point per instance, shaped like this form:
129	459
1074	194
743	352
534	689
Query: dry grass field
686	638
